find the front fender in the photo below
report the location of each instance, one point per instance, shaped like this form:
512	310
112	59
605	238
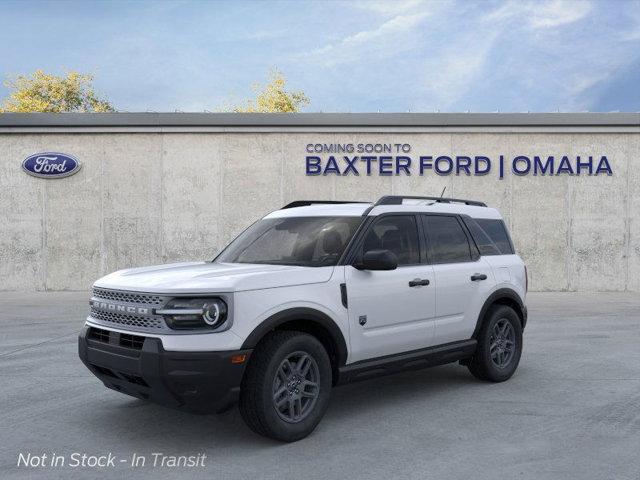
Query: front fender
296	314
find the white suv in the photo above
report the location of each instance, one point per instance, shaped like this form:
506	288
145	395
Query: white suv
311	296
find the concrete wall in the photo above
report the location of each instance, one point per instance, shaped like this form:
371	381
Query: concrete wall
147	198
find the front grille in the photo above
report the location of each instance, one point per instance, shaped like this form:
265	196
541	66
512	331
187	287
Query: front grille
99	335
128	310
115	318
128	297
131	341
123	339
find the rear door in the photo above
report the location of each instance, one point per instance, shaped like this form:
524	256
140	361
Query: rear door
389	311
463	279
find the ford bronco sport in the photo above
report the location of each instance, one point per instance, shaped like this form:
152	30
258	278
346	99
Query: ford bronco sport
314	295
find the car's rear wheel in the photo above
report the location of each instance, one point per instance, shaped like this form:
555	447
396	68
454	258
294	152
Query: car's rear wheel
286	388
499	345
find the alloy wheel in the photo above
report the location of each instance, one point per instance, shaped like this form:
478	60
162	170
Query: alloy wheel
296	387
502	343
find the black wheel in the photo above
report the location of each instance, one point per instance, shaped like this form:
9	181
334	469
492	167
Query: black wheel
499	346
286	387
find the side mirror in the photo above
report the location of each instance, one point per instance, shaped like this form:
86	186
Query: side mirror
378	260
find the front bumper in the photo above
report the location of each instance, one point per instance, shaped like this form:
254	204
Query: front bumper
201	382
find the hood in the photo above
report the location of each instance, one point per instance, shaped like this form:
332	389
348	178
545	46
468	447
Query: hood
206	277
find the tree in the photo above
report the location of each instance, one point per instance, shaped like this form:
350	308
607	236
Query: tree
42	92
274	98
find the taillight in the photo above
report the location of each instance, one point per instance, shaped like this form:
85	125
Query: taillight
526	279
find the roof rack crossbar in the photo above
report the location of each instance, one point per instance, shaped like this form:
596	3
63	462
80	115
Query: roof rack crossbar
397	200
306	203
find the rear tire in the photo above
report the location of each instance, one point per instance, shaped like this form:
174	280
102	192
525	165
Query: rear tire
499	346
286	387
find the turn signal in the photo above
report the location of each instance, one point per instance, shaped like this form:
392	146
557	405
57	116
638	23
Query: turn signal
239	358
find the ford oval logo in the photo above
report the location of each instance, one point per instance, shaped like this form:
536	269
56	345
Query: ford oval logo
51	165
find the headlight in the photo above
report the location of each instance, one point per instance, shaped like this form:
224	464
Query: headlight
194	313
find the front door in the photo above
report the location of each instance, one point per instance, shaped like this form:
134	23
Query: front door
391	311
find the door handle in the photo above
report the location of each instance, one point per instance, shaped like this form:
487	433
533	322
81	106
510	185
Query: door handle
478	276
418	282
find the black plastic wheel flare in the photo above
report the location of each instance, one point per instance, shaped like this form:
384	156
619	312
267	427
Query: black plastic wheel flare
296	387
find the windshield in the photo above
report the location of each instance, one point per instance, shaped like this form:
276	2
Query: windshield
303	241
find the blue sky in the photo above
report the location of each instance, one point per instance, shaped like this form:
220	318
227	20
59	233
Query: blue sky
358	56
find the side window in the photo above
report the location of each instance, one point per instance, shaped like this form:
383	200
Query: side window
447	241
497	232
398	234
484	243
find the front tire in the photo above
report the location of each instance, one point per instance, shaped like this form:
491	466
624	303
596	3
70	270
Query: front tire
285	390
499	346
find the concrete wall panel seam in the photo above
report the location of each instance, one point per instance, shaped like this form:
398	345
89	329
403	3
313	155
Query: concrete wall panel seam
569	206
628	226
163	250
44	237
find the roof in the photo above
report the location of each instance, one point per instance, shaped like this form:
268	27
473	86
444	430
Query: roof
358	209
313	121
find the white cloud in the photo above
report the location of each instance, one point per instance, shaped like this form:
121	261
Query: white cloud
507	11
393	36
567	66
632	13
451	73
386	7
539	15
396	25
399	32
522	55
578	83
559	12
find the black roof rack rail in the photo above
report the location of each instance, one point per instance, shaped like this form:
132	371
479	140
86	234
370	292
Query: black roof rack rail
397	200
306	203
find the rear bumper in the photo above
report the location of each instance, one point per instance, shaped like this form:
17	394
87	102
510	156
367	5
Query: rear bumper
201	382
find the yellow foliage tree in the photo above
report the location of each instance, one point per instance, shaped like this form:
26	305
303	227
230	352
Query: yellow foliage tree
273	98
42	92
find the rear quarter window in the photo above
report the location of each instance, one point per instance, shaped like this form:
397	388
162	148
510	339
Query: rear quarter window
490	236
496	231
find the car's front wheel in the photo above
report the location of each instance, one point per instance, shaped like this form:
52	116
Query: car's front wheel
285	390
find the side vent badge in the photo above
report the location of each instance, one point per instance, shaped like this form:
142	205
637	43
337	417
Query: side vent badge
362	319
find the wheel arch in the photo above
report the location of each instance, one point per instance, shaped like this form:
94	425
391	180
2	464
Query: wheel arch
308	320
502	296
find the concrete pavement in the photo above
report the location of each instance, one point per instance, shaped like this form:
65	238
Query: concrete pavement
572	411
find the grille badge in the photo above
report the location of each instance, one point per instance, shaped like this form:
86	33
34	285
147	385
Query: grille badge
112	307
